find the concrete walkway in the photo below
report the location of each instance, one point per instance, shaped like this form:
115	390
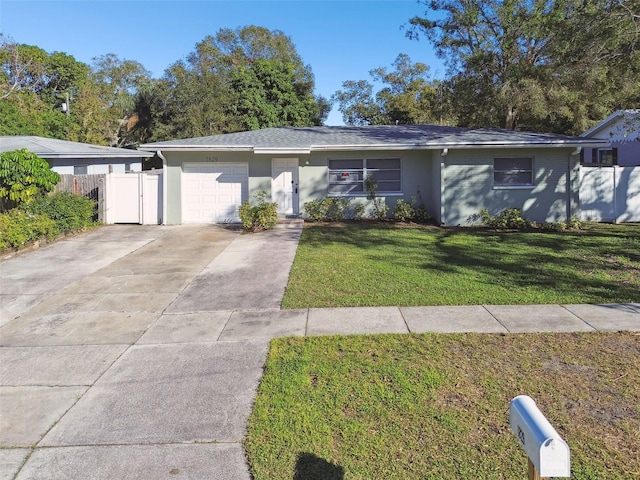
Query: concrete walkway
135	352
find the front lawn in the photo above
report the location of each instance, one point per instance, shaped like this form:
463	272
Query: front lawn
436	406
361	264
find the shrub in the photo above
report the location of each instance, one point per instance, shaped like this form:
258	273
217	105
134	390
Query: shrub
411	212
336	208
404	212
507	219
329	209
70	212
314	211
24	176
262	216
18	227
358	211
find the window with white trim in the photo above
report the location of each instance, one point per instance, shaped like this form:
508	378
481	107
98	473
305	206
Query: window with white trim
347	176
79	169
513	172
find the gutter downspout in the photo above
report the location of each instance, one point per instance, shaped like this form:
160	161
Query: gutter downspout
164	186
570	185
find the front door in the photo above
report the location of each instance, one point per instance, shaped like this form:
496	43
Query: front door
284	185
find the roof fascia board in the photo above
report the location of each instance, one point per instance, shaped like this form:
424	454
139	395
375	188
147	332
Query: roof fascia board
200	148
281	151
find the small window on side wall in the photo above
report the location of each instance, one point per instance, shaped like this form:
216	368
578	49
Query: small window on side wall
607	157
79	169
513	172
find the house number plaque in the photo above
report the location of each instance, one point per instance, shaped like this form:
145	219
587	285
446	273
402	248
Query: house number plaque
212	159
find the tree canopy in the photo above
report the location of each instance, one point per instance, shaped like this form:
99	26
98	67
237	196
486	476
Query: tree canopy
549	65
407	96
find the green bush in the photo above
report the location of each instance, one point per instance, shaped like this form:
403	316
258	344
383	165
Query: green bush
70	212
262	216
18	227
404	212
411	212
330	209
358	211
507	219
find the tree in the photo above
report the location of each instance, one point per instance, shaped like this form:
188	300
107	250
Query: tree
23	177
268	94
408	97
116	84
549	65
227	83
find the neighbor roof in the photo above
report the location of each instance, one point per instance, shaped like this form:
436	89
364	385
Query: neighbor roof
51	148
300	140
614	117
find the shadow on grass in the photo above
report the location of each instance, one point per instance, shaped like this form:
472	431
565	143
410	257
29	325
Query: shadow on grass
590	262
311	467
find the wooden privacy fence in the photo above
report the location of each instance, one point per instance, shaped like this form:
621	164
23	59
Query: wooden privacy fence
90	186
610	194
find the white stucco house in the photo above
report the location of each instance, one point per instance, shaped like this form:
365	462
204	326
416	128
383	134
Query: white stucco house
456	171
76	158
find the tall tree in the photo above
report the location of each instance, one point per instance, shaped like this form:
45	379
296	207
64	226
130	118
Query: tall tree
407	96
542	64
213	89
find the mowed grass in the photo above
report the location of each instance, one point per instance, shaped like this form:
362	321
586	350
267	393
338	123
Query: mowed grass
436	406
361	264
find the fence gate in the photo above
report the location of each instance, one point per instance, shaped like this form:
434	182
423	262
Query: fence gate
134	198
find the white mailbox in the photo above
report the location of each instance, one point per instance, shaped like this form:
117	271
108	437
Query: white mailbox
548	453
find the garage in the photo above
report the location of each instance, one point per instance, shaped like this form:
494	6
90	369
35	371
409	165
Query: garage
212	193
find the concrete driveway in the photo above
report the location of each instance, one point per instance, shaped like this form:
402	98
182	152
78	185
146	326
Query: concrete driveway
113	361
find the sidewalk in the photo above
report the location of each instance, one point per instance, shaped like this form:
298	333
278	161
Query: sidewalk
266	324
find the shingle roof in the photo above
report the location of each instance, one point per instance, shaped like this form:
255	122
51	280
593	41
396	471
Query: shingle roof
306	139
51	148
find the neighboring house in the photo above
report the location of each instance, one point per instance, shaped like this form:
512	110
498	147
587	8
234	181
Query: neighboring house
75	158
456	171
622	129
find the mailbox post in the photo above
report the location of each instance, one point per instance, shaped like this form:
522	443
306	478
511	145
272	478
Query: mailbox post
548	453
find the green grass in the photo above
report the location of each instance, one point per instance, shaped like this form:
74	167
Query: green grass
436	406
360	264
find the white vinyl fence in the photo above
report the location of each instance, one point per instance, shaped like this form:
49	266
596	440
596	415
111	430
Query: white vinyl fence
610	194
134	198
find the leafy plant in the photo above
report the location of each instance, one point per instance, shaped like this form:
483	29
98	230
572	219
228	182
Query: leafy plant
23	177
329	209
18	227
380	208
70	212
262	216
510	218
358	211
404	212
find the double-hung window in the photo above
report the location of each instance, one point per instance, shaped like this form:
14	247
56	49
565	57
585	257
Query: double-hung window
347	176
513	172
600	157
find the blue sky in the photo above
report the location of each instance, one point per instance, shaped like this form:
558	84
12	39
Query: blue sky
340	39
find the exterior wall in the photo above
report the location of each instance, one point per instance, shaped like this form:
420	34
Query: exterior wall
468	186
95	166
628	153
416	173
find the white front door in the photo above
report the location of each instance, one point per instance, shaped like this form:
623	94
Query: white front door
284	185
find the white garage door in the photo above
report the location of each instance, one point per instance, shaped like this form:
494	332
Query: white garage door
213	193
